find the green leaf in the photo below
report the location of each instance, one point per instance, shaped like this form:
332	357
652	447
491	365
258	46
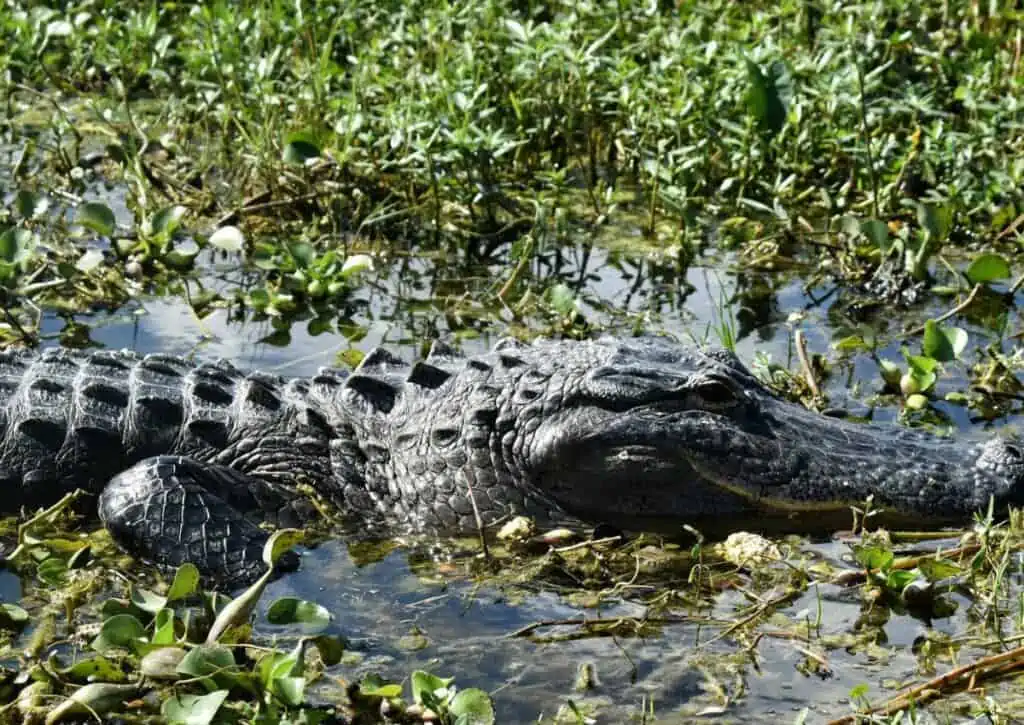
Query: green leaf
988	268
562	299
376	686
229	239
163	633
878	232
280	542
12	616
472	707
52	571
186	581
16	244
290	610
97	217
193	709
943	343
936	220
873	557
214	663
31	204
937	569
290	690
166	221
121	630
770	95
97	668
920	364
300	147
331	648
147	601
427	685
302	253
162	663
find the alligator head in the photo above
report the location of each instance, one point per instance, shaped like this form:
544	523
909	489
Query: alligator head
659	431
638	433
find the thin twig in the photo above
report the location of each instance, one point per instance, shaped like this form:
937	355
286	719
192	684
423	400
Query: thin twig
999	664
955	311
805	364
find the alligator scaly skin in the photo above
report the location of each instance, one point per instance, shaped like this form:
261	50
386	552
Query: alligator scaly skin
185	459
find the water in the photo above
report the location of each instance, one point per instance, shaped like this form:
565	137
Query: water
465	627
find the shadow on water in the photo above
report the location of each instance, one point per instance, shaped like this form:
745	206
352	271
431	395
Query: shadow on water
397	620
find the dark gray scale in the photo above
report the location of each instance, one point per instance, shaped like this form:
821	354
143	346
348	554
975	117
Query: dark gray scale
157	406
209	398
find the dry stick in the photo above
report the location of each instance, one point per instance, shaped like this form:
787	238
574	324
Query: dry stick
955	311
1001	664
610	621
805	364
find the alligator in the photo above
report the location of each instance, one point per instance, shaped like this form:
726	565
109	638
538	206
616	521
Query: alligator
185	460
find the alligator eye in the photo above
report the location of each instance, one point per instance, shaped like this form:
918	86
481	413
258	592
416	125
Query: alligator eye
716	392
444	436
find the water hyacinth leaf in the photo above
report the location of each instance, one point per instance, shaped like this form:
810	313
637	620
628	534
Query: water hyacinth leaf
356	263
943	343
290	610
472	707
916	401
331	648
120	631
877	232
30	204
279	543
428	686
91	668
166	221
299	147
936	220
90	260
96	699
12	616
186	581
376	686
302	253
290	690
147	601
770	94
193	709
52	571
15	244
163	633
97	217
873	557
562	299
238	611
228	239
988	268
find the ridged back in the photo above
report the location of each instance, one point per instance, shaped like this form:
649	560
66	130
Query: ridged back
70	419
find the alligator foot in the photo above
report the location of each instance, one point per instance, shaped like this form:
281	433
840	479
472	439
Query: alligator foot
169	510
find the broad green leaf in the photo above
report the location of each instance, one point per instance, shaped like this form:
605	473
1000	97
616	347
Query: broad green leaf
97	217
302	253
162	663
181	709
472	707
230	239
280	542
937	569
375	686
12	616
290	690
163	633
166	221
52	571
186	580
30	204
290	610
238	610
15	244
936	220
425	683
943	343
769	95
873	557
562	299
300	147
121	630
214	663
877	231
920	363
916	401
147	601
988	268
97	668
331	648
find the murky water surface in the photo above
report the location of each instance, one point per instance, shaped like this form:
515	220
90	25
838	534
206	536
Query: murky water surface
463	630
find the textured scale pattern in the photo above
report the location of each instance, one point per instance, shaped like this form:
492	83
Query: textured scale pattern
186	460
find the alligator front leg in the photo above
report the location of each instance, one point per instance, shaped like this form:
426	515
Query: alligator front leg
169	510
